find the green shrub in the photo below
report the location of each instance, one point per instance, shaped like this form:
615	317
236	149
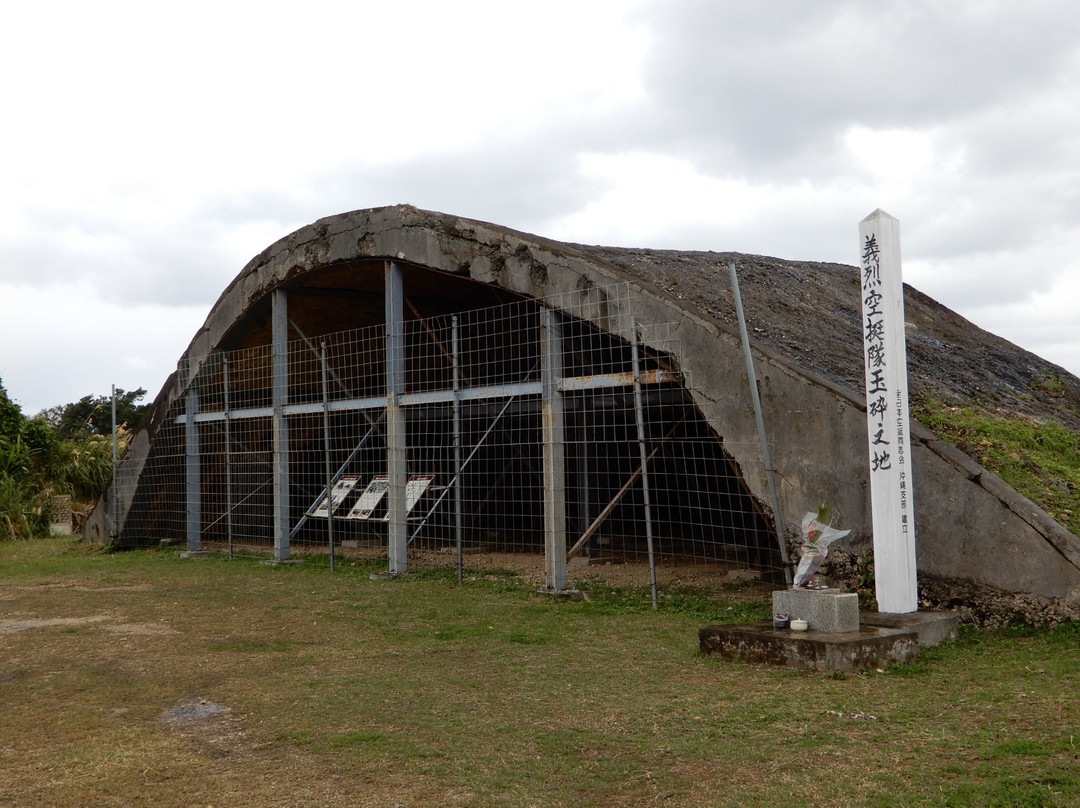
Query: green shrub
24	513
86	467
14	457
38	462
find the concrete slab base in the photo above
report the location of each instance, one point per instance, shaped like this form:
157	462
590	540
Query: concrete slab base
288	562
881	639
561	594
848	652
193	554
931	627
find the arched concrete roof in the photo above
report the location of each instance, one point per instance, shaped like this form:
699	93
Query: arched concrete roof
970	525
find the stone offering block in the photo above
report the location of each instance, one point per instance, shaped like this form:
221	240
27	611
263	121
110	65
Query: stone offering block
829	610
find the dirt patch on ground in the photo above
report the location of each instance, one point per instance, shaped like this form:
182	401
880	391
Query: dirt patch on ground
737	583
83	587
11	626
211	728
103	620
141	629
734	581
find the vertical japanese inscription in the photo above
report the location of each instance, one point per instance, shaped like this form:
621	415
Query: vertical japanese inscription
877	389
885	360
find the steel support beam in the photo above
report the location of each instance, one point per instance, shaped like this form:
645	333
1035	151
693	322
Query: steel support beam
554	451
770	472
326	456
193	473
456	363
513	389
228	455
115	465
639	416
279	353
397	537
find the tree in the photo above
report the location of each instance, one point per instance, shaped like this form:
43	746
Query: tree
64	450
21	512
92	415
11	417
14	457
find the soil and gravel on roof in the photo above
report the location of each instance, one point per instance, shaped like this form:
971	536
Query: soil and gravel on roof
809	315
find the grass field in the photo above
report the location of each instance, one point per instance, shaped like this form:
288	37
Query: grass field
144	679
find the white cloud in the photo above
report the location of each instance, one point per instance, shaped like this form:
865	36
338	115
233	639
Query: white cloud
648	199
895	157
63	342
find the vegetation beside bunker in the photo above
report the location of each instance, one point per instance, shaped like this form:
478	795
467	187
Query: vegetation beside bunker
65	451
1040	459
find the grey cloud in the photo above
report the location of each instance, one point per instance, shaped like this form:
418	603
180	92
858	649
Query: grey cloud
176	265
969	292
520	183
778	82
963	222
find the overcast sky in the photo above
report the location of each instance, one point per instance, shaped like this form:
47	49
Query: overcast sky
148	151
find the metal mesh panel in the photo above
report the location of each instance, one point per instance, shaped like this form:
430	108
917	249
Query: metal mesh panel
487	490
640	473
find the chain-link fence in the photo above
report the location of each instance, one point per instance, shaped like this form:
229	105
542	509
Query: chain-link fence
536	428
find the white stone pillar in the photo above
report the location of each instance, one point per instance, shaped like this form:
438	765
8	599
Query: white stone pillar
887	420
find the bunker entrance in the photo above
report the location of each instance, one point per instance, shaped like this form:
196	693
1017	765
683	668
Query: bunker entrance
494	425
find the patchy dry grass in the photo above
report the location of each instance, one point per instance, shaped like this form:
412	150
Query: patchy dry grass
140	678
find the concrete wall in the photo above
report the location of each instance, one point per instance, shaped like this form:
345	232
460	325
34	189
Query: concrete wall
969	524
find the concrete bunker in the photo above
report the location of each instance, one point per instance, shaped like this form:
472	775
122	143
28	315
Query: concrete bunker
499	400
562	351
